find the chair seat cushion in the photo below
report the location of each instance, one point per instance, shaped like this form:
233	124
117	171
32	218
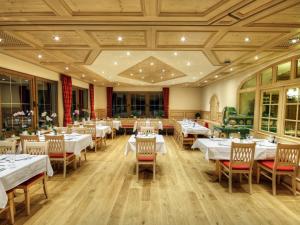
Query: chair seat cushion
127	126
236	167
32	180
60	155
145	158
168	126
270	164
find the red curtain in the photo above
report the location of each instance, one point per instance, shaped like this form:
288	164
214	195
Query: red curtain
109	94
166	102
92	101
66	82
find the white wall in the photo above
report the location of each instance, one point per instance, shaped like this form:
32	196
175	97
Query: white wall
100	97
184	98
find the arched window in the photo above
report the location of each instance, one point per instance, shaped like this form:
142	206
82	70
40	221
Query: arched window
214	108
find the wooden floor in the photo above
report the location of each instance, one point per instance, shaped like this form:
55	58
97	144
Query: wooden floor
104	190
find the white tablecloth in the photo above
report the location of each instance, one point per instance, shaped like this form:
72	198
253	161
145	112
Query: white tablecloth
160	144
219	149
101	130
24	168
74	143
116	123
190	127
148	124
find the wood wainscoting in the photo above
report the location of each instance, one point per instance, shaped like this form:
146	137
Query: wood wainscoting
179	114
100	113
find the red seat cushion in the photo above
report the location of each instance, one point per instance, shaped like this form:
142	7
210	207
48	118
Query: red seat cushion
31	180
270	164
168	126
60	155
145	158
127	126
236	167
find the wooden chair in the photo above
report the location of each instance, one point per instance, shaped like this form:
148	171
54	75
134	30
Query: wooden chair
147	130
145	153
10	207
63	130
79	130
110	123
286	163
92	130
57	153
24	138
241	162
34	148
7	147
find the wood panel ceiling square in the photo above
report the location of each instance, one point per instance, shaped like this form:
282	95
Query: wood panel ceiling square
70	55
192	38
256	39
45	38
32	55
152	70
129	37
25	7
105	7
8	41
229	55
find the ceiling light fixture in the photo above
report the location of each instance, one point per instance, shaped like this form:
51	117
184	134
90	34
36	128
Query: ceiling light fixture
294	40
115	63
140	70
131	74
256	57
216	76
128	53
183	39
143	77
201	73
172	74
247	39
175	53
231	69
120	38
152	63
152	81
188	63
83	75
161	77
194	77
67	68
163	70
1	40
56	38
94	80
40	56
205	81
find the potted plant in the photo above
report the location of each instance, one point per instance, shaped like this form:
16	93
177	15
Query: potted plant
197	115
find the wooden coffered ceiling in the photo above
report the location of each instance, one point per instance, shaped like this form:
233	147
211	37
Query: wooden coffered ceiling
86	28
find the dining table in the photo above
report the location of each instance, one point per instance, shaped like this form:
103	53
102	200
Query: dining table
160	143
148	123
220	148
117	124
18	168
102	130
191	127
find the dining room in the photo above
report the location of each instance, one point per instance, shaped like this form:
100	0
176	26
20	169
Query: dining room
149	112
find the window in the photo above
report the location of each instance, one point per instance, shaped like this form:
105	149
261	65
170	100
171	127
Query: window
138	105
292	112
247	103
119	105
79	99
46	100
266	76
269	113
283	71
250	83
16	103
298	68
156	105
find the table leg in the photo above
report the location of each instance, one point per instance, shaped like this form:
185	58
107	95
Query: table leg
11	209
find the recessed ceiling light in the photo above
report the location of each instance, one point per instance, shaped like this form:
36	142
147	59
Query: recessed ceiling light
161	77
256	57
163	70
40	56
67	68
103	72
115	63
172	74
194	77
56	38
152	63
231	69
201	73
205	81
1	40
131	74
94	80
216	76
175	53
140	70
188	63
118	84
152	81
183	39
83	75
247	39
128	53
120	38
143	77
3	79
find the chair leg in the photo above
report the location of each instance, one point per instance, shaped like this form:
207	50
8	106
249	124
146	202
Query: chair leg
230	182
45	186
293	177
74	164
27	200
96	143
154	171
85	154
137	171
250	182
274	183
258	174
220	173
241	177
65	169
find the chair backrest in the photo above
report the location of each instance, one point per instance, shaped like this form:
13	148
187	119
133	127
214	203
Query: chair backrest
36	148
235	135
63	130
56	144
287	155
242	153
91	129
110	123
146	147
7	147
79	130
147	130
24	138
70	125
